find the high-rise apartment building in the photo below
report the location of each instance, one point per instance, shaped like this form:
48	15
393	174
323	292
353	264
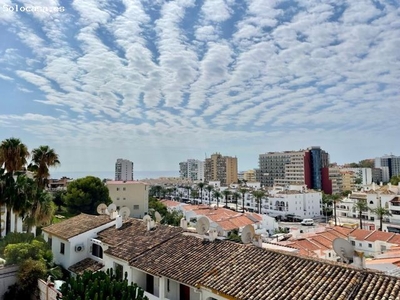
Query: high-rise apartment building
123	170
221	168
192	169
390	166
309	167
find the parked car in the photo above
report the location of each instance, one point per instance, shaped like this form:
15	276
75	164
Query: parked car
307	222
292	218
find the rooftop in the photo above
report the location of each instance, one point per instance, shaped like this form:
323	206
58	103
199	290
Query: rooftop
248	272
77	225
140	239
87	264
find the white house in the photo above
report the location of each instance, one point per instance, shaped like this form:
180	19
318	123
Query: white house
71	240
16	222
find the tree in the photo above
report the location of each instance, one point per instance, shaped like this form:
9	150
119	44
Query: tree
36	250
195	194
380	212
209	188
226	193
24	194
41	210
58	198
85	194
43	158
259	194
361	206
395	180
101	285
236	197
217	195
201	187
243	191
13	155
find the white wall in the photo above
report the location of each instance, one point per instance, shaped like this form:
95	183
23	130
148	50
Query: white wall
8	276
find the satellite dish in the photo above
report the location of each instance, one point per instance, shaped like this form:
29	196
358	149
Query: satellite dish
157	217
202	226
247	234
343	249
125	212
147	218
111	208
220	230
102	209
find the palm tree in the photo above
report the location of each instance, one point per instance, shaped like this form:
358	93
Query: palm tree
380	212
41	210
209	188
226	193
361	206
243	191
217	195
195	194
188	189
258	195
13	155
201	187
236	196
43	158
335	199
25	190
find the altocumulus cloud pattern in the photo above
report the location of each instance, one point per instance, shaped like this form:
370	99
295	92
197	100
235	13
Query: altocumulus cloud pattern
161	81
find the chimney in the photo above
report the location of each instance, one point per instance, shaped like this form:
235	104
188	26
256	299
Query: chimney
359	259
183	223
212	233
118	221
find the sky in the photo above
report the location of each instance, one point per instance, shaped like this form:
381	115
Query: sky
159	82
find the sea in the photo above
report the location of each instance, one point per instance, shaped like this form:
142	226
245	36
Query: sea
137	175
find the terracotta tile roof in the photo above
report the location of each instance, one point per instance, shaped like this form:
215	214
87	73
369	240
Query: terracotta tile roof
395	200
359	234
87	264
395	239
170	203
321	239
343	231
77	225
247	272
379	236
133	238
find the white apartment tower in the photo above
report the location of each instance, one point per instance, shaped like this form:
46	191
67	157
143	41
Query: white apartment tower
192	169
123	170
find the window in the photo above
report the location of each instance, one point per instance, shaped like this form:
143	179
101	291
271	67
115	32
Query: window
124	189
62	248
118	198
369	245
117	189
353	243
97	251
136	207
124	198
119	271
168	289
50	242
360	244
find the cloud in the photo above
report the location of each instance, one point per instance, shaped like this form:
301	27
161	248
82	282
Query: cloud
201	77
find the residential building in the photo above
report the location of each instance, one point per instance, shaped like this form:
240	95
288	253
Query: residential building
335	177
309	167
131	194
71	240
348	180
362	175
59	184
221	168
390	165
16	222
169	263
377	175
297	200
192	169
250	176
123	170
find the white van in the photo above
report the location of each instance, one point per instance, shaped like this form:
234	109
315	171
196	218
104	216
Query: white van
307	222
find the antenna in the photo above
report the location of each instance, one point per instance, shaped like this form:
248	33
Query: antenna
112	208
125	212
202	226
247	234
343	249
158	217
102	209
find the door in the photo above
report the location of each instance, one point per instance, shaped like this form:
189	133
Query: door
150	284
184	292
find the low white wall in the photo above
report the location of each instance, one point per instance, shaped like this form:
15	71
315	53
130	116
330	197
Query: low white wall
8	276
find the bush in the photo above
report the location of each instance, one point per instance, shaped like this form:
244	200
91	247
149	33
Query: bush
37	250
100	285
